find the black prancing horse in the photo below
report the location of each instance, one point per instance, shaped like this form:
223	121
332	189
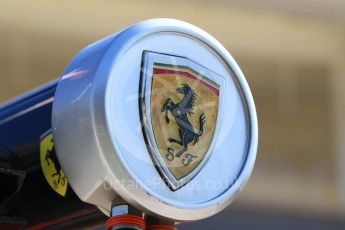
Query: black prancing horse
51	155
180	111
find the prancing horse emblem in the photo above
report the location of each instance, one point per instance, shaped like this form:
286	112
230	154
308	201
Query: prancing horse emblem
180	111
179	105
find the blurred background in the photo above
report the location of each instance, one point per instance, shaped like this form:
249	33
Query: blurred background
293	55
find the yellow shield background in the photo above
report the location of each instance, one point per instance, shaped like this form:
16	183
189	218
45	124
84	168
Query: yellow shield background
46	145
165	80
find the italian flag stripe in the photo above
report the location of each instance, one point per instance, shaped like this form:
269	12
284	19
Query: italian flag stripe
214	88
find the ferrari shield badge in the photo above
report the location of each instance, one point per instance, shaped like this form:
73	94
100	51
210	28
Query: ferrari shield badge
50	165
179	110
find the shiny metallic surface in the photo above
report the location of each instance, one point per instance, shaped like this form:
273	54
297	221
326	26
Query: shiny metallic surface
97	125
121	209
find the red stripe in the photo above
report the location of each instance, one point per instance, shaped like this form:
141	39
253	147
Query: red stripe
63	219
189	75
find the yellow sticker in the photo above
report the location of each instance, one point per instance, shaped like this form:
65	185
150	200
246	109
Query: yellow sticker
50	165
